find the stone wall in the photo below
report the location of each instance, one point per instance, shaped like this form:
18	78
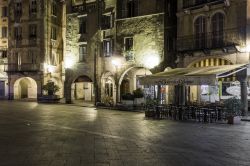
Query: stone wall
148	34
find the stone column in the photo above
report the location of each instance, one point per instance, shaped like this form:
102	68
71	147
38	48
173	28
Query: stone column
159	94
67	87
244	101
182	94
242	77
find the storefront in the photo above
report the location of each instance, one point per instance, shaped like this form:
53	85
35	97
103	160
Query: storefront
204	84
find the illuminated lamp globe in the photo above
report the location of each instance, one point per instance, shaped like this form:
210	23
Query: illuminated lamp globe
151	61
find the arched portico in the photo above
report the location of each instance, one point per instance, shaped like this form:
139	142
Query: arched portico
82	89
25	88
108	87
78	87
128	81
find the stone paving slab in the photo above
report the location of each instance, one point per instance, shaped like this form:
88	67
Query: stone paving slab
34	134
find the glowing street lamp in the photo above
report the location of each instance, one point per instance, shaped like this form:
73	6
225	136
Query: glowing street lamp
69	61
151	60
116	63
49	68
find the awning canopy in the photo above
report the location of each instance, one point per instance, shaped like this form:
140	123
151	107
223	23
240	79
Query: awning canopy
192	76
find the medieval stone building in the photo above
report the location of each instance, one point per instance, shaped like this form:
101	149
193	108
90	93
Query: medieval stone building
213	33
109	44
3	47
35	53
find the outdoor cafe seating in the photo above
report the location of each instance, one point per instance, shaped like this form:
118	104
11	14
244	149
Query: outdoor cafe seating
206	113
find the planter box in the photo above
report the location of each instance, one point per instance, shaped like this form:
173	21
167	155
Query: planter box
128	102
234	120
139	101
49	99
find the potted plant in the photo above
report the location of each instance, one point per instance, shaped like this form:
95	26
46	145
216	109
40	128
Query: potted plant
233	110
138	96
50	90
108	101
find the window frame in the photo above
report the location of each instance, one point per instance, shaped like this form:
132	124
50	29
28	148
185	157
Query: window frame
83	54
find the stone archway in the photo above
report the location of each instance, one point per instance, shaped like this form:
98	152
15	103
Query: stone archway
130	77
108	87
82	89
25	88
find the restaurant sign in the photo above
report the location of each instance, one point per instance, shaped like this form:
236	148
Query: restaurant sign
187	80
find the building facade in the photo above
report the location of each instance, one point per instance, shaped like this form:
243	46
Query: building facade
36	44
113	42
83	37
213	33
3	48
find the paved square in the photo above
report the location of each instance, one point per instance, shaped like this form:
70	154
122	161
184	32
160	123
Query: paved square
34	134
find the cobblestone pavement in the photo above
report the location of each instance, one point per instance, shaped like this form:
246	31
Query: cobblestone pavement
34	134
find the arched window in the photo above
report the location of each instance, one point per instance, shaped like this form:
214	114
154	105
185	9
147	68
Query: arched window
217	30
200	32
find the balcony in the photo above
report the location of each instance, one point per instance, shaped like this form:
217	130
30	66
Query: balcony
84	8
189	4
24	67
212	40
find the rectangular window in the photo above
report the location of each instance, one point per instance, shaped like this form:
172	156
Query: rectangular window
128	8
107	21
18	33
33	7
3	54
108	47
128	43
82	25
82	52
4	32
109	89
32	31
132	8
54	8
4	11
18	9
32	57
53	33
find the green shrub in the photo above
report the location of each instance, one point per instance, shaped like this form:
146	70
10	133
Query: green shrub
128	96
50	88
138	93
233	106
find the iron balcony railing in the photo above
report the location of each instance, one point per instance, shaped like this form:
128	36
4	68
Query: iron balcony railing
212	40
191	4
79	9
84	8
24	67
